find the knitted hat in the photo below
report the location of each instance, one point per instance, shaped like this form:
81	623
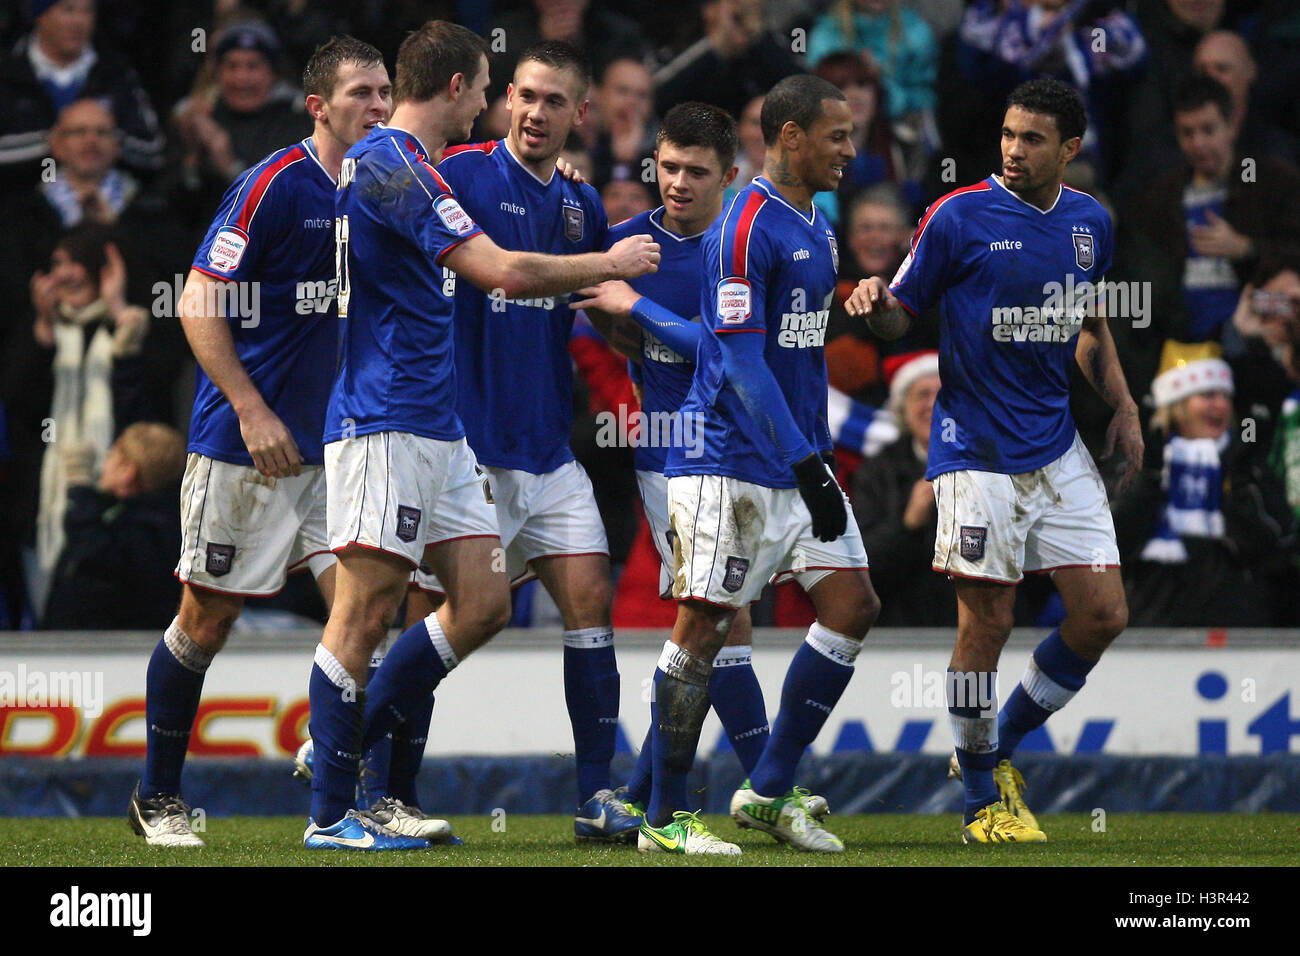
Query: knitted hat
902	372
249	35
1188	370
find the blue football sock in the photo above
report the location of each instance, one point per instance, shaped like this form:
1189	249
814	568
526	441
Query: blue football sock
738	700
972	711
591	693
638	785
373	783
1053	675
817	676
677	714
415	665
408	740
337	710
173	685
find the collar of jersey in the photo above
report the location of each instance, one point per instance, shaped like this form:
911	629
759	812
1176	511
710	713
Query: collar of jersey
406	132
308	145
1060	191
764	184
505	144
668	232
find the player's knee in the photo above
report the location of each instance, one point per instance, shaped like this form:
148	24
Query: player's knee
1108	619
590	607
207	623
489	615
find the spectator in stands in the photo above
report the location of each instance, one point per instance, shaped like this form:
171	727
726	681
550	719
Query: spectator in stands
897	41
1199	231
1204	532
1225	56
115	571
877	153
875	243
894	504
738	59
94	339
749	161
1092	47
1171	29
625	198
248	112
625	126
53	66
604	35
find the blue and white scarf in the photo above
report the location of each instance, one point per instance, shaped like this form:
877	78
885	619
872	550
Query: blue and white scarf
1192	482
115	192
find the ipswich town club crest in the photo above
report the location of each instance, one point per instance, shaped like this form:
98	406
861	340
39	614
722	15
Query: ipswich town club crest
1083	250
220	558
572	223
835	253
737	568
408	523
972	542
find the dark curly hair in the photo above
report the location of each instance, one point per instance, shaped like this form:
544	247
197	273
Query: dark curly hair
699	124
1053	98
1197	90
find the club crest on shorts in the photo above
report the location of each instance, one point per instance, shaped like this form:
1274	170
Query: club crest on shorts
972	542
734	578
572	223
1082	250
408	523
220	558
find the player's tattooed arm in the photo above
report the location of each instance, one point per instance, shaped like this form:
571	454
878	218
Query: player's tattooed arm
873	301
270	443
1099	361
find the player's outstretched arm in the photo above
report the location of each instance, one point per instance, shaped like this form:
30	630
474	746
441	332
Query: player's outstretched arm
873	300
269	442
748	373
521	274
617	299
1098	360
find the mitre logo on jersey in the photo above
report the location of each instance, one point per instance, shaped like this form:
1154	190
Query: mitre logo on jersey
735	301
572	223
227	249
408	523
219	559
1083	256
456	220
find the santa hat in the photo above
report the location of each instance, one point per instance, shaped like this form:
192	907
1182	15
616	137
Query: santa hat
903	371
1188	370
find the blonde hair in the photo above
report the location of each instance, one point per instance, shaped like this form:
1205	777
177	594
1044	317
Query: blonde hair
157	450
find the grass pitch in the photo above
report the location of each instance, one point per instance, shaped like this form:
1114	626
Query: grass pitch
1172	839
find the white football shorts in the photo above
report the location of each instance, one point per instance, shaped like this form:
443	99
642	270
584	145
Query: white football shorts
998	527
397	492
540	516
732	537
243	533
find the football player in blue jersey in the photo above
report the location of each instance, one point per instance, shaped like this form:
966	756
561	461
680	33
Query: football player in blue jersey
404	486
258	311
1016	263
753	498
695	151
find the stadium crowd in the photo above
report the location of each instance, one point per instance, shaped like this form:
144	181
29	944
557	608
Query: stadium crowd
124	122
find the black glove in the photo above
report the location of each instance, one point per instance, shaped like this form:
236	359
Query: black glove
829	458
821	493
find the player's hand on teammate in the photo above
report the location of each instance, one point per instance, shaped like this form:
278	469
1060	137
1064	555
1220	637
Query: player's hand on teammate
1124	439
275	453
614	297
821	493
634	256
569	171
873	301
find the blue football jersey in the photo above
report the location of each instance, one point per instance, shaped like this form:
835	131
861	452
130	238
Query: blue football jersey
1009	278
513	370
396	219
664	375
769	270
272	240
